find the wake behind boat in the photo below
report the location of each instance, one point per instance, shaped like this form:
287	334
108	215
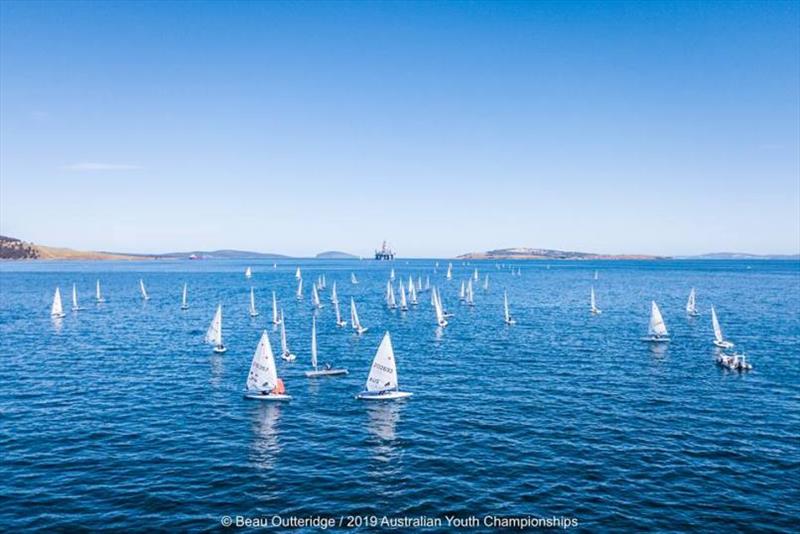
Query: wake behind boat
382	381
262	380
325	370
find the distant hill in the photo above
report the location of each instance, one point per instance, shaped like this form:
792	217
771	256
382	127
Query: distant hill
741	256
12	248
523	253
222	254
336	255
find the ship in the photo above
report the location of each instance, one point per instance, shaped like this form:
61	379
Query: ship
385	252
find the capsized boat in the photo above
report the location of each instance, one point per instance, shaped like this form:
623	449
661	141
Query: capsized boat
262	380
656	330
595	310
691	304
214	332
75	306
143	290
354	318
506	314
382	381
56	309
98	296
253	310
734	362
286	354
325	370
184	298
719	339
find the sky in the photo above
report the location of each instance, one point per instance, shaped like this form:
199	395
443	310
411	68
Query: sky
448	127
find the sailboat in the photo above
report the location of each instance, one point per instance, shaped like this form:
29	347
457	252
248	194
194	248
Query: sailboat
382	380
214	332
315	297
57	310
596	275
719	339
390	301
184	298
445	313
412	294
353	279
276	319
403	303
299	294
449	275
595	310
475	275
506	314
391	274
248	273
339	322
691	304
470	297
327	369
486	282
334	296
462	293
656	330
354	318
75	306
253	310
427	283
143	290
437	306
262	380
98	296
286	354
297	274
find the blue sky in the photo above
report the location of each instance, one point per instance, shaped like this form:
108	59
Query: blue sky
665	128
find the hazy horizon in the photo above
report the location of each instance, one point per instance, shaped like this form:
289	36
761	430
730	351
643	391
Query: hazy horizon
295	128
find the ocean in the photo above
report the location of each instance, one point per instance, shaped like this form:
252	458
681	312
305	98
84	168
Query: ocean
118	416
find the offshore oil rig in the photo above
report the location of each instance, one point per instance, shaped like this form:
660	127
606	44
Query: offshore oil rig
385	252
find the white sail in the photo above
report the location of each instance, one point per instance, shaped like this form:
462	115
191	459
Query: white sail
353	279
691	304
449	271
324	282
275	317
263	375
506	314
412	295
486	282
437	305
315	297
715	323
284	342
98	296
391	274
57	310
334	296
314	342
297	274
184	298
596	275
354	315
427	283
410	284
214	332
657	326
390	301
419	283
592	301
469	297
475	274
248	273
338	313
383	373
253	311
144	291
299	294
75	306
403	303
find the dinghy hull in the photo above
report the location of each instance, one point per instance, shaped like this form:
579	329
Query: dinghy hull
723	344
326	372
220	350
388	395
272	397
655	339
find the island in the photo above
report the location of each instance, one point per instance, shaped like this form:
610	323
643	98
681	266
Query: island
524	253
335	255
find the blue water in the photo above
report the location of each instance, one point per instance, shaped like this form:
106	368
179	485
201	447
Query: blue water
118	416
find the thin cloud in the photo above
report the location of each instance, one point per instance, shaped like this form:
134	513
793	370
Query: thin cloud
96	166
